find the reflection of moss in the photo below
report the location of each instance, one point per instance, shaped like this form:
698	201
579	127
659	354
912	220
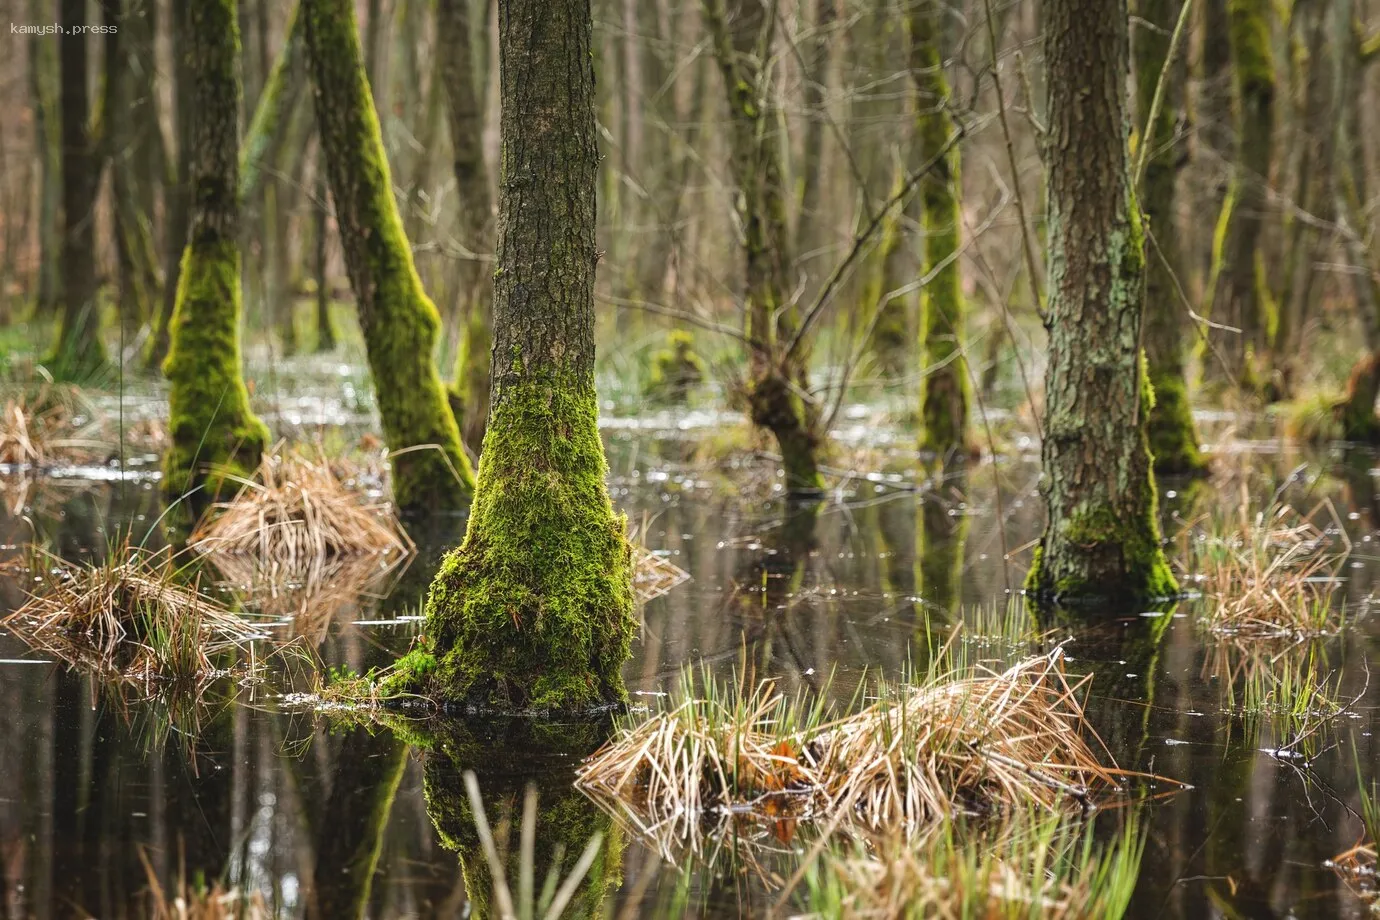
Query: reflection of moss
506	757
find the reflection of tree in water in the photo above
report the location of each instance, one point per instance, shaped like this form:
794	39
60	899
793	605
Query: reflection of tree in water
506	757
940	545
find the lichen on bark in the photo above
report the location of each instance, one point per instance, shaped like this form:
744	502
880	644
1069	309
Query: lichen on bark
429	467
212	431
1102	539
533	612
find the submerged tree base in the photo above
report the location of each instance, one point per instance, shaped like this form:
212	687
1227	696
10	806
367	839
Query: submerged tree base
533	613
775	405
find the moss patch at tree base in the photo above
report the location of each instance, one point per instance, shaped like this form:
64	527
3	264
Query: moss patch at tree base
1173	439
533	612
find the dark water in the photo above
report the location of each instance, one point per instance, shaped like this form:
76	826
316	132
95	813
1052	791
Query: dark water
95	798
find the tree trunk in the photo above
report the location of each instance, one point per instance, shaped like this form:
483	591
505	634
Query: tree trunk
1238	296
325	325
399	322
777	389
534	610
469	395
177	189
284	90
213	432
1102	539
121	123
80	353
44	82
1173	440
945	389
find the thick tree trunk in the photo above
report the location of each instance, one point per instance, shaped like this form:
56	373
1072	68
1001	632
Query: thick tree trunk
534	610
400	324
1173	440
1239	297
79	353
465	99
777	389
1102	539
213	431
945	389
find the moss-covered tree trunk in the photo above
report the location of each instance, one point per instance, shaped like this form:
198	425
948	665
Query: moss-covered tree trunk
1239	295
777	387
945	388
79	352
325	324
212	430
534	610
268	131
1102	539
465	101
400	324
1173	439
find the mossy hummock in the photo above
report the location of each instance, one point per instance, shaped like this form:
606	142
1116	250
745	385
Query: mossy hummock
945	389
429	467
1102	539
676	370
213	433
533	613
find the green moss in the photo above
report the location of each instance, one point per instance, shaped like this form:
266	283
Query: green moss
1173	441
429	467
212	431
891	331
676	370
534	610
469	394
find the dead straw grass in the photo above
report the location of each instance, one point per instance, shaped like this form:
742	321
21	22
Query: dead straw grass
976	741
46	423
1271	573
296	514
131	619
200	902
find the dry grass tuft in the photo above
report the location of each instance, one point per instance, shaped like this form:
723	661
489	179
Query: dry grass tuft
297	514
43	424
131	619
1272	573
975	741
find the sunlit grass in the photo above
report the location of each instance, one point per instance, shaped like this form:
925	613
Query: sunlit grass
958	740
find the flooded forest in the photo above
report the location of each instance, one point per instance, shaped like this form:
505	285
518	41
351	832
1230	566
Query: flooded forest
787	459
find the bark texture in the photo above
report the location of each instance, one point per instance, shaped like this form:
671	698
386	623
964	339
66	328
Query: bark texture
212	430
534	611
1173	439
400	324
1102	539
